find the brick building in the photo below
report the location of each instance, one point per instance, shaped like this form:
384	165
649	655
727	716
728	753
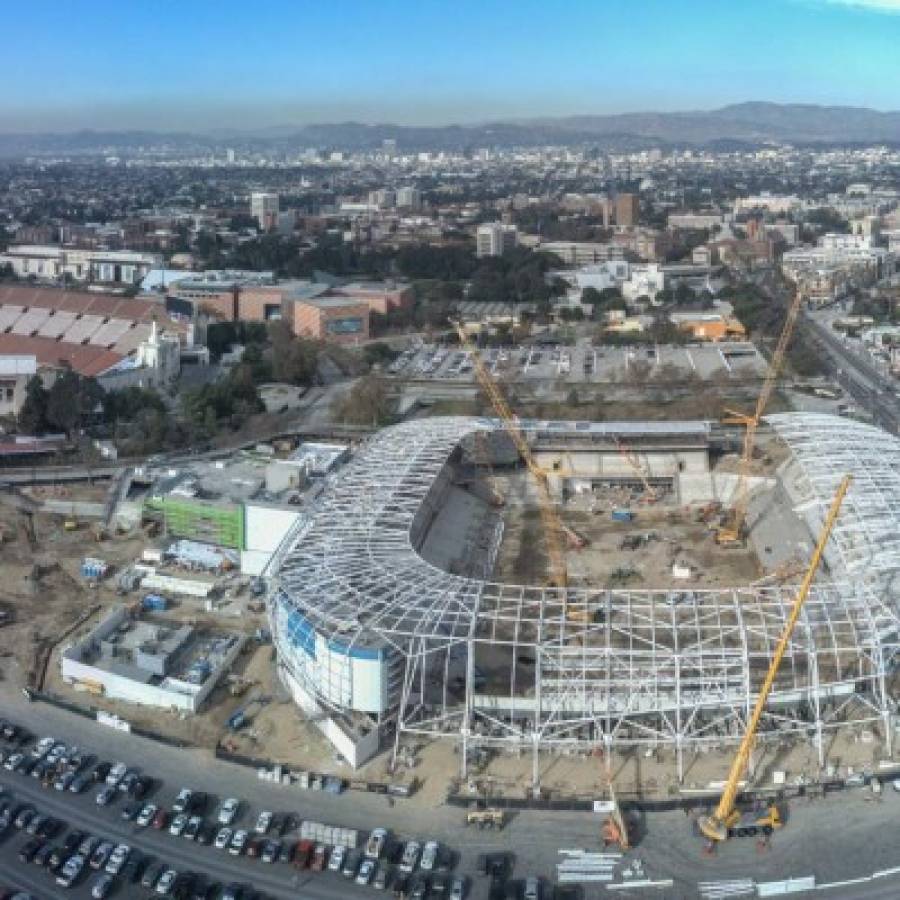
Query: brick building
339	319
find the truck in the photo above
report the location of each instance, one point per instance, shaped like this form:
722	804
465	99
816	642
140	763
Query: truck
490	817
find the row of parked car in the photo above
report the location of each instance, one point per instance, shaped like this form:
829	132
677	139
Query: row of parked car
412	869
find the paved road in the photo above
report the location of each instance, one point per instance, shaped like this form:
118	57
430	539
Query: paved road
834	839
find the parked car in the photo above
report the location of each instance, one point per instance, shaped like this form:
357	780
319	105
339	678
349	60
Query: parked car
179	823
366	872
410	857
263	822
101	854
532	889
183	801
319	858
146	815
238	842
351	864
29	849
458	888
131	810
303	853
152	874
166	882
103	886
429	856
375	843
115	774
106	795
382	876
336	862
223	838
192	828
118	858
160	819
228	811
71	871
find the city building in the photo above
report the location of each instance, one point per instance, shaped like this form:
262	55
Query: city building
54	263
495	239
342	320
409	198
264	207
627	210
15	373
709	326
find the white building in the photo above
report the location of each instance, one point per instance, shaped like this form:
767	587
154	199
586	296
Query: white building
775	203
264	208
51	262
634	280
15	373
494	239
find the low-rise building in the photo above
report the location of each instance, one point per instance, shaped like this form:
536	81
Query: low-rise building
339	319
52	263
15	373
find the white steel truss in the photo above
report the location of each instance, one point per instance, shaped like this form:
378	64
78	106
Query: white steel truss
624	668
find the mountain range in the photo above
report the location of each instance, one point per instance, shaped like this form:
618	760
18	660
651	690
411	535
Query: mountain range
741	124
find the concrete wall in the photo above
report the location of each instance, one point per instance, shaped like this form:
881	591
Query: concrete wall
355	748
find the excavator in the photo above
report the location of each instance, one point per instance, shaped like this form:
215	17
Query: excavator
727	820
730	533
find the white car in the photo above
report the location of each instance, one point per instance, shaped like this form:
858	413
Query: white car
223	838
895	784
336	861
429	856
457	889
116	774
375	844
238	842
146	815
118	858
167	879
228	810
178	824
410	857
532	889
263	822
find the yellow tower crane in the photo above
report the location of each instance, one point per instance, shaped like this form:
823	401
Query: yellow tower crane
727	820
731	532
554	530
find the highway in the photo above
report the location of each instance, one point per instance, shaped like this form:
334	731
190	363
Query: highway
841	837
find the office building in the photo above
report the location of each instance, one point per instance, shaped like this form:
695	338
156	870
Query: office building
495	239
409	198
627	210
264	208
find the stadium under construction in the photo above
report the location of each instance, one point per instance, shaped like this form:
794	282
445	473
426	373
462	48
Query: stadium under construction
390	620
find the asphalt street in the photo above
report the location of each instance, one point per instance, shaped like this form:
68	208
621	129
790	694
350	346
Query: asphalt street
834	839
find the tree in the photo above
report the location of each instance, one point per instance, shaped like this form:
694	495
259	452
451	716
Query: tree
294	360
71	399
33	414
366	403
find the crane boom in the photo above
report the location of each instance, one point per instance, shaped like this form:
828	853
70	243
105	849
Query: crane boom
731	531
554	531
716	826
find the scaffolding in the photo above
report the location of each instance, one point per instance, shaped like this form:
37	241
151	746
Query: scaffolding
632	668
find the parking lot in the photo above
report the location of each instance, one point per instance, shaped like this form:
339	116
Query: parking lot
75	825
584	362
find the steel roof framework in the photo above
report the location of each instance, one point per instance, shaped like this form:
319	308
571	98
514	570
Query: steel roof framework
640	667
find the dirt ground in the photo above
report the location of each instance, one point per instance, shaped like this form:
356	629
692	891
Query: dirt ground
665	535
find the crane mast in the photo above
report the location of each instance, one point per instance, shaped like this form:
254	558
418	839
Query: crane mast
716	826
554	531
731	530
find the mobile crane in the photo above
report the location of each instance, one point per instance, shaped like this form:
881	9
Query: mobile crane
731	532
727	820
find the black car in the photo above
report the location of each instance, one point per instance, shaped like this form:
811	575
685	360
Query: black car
42	857
30	849
58	855
184	885
72	840
131	809
206	834
101	770
134	867
140	787
49	828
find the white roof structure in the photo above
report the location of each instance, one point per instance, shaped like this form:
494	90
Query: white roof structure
614	667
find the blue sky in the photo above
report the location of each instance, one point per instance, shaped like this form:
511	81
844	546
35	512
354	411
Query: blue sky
199	64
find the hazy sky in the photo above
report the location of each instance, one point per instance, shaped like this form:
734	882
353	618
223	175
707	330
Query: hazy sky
200	64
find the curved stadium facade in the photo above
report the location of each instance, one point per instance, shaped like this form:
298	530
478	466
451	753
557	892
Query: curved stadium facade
375	641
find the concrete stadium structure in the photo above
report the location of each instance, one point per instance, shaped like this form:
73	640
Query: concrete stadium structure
375	640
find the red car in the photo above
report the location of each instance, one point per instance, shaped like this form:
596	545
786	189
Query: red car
319	858
160	820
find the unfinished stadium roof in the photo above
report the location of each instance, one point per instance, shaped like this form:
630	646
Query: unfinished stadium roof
611	665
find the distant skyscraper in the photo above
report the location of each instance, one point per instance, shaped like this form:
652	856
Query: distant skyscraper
229	155
627	210
264	208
